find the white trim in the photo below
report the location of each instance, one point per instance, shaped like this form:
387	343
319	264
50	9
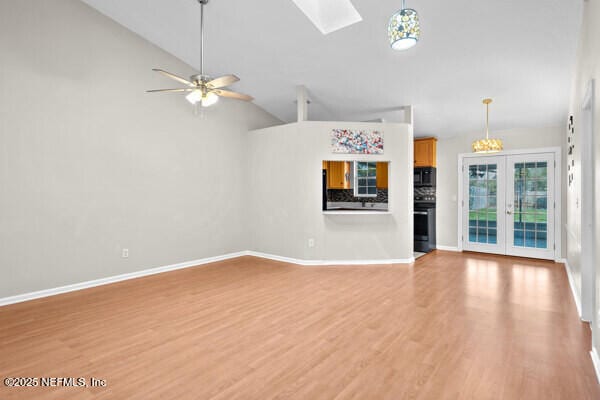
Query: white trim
116	278
596	362
303	262
446	248
558	201
576	297
187	264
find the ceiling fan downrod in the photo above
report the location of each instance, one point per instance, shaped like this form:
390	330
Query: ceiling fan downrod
202	4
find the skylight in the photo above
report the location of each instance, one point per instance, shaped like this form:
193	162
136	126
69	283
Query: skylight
329	15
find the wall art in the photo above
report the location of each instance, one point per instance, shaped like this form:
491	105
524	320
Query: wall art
349	141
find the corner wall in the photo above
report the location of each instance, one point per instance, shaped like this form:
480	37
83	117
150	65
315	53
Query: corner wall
285	186
91	164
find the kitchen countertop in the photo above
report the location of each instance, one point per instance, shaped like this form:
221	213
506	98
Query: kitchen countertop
356	208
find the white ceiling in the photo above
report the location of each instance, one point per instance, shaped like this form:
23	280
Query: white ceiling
519	52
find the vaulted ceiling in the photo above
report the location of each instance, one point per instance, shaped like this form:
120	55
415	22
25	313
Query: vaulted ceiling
521	53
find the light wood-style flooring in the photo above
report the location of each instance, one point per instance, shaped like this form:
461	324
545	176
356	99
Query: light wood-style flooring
450	326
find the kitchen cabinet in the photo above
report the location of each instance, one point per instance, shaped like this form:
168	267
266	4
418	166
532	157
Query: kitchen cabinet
339	175
382	175
425	152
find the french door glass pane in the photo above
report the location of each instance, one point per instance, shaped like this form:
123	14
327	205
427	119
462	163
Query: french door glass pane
531	205
482	203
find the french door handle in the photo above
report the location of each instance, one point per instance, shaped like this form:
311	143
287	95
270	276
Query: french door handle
508	212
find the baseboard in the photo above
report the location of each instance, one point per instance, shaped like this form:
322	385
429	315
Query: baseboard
298	261
596	362
152	271
116	278
576	297
446	248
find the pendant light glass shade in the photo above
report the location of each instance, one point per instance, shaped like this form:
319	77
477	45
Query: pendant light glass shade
487	145
403	29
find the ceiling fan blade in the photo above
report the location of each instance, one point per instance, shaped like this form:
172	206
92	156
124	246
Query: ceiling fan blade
233	95
222	81
173	76
169	90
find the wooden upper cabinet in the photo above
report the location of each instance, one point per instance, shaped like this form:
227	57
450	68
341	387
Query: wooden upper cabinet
338	175
382	175
425	152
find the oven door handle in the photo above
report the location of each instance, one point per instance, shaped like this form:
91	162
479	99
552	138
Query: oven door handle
420	212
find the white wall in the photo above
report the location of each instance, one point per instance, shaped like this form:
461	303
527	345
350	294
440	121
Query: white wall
588	67
447	167
285	190
91	164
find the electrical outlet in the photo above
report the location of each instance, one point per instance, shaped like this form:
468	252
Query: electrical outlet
125	253
311	242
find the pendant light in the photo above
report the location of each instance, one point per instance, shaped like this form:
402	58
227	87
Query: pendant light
404	29
487	145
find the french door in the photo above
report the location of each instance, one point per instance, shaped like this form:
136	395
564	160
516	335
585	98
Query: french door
508	205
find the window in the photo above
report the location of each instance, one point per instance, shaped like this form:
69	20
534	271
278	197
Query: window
365	179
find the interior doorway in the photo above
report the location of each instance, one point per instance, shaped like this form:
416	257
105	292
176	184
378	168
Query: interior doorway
510	203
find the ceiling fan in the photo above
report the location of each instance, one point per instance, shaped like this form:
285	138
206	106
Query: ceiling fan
201	88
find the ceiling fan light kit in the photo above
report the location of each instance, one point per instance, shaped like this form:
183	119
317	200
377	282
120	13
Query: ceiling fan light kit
200	88
487	145
205	99
404	29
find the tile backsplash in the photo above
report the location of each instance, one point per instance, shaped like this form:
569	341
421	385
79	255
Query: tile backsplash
424	191
347	195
